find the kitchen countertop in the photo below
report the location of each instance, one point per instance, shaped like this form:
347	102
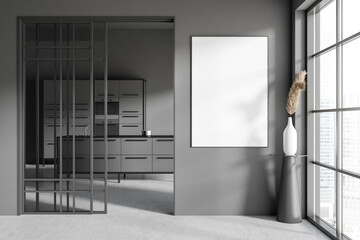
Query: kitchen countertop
123	136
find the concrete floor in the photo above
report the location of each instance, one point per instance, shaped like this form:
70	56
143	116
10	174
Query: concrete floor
141	209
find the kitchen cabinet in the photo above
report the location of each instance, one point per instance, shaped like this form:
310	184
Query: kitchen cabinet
125	154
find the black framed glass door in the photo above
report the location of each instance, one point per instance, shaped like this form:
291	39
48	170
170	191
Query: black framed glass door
61	60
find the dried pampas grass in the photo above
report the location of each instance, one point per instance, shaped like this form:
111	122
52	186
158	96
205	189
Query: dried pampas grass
294	93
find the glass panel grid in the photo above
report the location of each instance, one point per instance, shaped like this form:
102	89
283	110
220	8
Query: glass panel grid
326	138
52	52
333	67
351	141
351	17
326	188
351	206
325	26
326	78
351	77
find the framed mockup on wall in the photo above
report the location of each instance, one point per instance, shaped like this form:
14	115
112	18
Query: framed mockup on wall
229	91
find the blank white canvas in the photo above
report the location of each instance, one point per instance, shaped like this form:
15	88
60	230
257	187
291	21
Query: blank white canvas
229	92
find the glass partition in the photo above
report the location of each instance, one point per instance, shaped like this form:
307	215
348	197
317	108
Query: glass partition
61	62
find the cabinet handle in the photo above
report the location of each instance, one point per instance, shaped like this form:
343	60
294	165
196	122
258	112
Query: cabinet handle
130	111
102	123
103	140
135	140
104	158
82	117
135	157
109	95
57	125
81	109
50	144
54	117
54	104
164	157
130	94
79	158
130	125
164	140
129	116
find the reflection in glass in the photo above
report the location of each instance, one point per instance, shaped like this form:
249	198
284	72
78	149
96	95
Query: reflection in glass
351	141
326	132
326	26
327	196
326	78
351	77
351	207
58	114
351	17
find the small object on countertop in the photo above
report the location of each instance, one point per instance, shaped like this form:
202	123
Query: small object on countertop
146	133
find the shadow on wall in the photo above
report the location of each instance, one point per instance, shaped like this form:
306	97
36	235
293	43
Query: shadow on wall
263	175
261	179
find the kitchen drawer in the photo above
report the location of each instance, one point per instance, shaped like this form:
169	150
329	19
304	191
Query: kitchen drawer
131	118
113	145
136	163
163	145
136	146
82	146
131	129
113	93
163	163
49	149
131	88
51	107
49	117
131	106
113	163
82	164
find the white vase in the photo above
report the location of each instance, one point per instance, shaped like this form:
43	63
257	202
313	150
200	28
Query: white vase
290	139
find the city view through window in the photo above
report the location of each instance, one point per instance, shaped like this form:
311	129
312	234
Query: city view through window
338	127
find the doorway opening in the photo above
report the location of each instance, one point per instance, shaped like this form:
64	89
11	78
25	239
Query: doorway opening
97	107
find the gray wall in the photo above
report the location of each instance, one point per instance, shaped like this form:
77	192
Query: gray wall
147	54
207	180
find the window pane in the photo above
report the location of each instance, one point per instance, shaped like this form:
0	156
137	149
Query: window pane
351	207
351	141
326	138
327	196
351	17
326	80
351	76
325	26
